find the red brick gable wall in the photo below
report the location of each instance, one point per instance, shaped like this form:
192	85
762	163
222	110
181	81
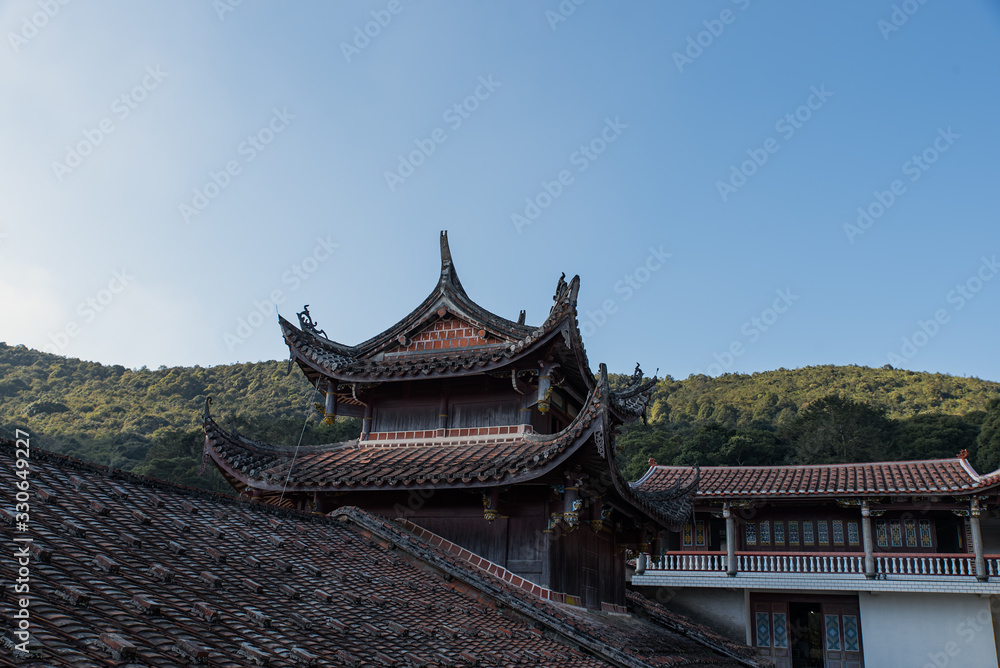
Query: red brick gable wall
447	333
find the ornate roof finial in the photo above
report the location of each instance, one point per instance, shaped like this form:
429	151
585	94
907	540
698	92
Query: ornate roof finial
560	288
445	250
307	324
520	318
448	273
963	454
652	462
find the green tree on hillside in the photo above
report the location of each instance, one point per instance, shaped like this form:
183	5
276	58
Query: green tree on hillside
988	458
933	436
835	429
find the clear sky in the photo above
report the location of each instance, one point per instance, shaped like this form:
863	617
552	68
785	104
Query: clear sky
741	185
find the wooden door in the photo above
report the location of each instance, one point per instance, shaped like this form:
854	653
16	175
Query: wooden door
842	636
770	632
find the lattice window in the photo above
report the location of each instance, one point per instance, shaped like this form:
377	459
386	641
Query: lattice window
851	640
688	542
780	631
807	533
763	629
838	532
699	533
925	534
852	533
793	533
832	632
823	532
881	534
911	533
765	533
751	533
779	534
897	533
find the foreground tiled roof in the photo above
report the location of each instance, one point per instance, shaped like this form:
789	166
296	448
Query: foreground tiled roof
126	570
934	476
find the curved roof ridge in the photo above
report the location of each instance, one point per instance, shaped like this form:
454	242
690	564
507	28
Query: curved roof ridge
943	460
447	292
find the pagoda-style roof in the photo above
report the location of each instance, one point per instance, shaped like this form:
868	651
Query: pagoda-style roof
476	457
448	334
935	477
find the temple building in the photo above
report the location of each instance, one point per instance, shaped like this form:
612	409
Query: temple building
481	432
838	565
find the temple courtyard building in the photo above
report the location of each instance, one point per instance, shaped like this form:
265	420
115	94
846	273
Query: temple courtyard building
839	565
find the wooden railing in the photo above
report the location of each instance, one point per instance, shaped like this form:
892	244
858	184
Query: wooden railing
886	565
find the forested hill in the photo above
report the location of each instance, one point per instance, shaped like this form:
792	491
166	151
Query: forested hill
149	421
773	398
820	414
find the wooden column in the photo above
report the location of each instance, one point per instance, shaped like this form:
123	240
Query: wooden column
866	533
977	540
366	422
330	412
727	512
641	559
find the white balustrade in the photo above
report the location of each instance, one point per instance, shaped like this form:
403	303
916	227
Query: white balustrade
849	563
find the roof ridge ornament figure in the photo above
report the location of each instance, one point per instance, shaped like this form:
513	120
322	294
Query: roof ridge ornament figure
308	324
561	288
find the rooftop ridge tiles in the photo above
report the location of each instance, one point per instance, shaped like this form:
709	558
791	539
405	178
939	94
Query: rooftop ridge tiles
911	476
947	460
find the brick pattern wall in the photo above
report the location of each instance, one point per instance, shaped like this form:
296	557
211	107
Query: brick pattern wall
447	333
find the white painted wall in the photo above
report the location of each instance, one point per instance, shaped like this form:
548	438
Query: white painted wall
911	630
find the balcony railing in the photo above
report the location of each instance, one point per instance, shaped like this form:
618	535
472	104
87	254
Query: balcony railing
825	563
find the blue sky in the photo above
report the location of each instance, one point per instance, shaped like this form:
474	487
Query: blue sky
170	169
